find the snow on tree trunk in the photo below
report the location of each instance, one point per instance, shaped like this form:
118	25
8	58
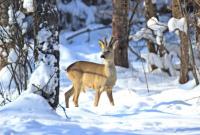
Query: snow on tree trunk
177	13
120	31
178	24
150	11
48	49
28	5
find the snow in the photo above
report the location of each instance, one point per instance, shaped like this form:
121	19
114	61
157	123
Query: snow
78	8
168	109
4	34
155	25
177	24
40	78
43	35
19	18
168	61
5	77
154	1
154	59
143	33
27	114
28	5
13	56
158	28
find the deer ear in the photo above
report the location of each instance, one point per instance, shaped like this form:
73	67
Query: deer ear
101	44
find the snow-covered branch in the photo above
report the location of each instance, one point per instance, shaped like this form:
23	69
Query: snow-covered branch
178	24
158	27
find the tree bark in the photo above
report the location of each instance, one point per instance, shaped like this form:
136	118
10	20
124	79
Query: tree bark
198	36
197	11
177	13
150	11
120	31
3	22
4	12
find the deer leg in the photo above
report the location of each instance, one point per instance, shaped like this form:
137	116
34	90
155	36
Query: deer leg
68	94
110	97
76	95
97	97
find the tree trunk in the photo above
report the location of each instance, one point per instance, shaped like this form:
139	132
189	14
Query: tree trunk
198	36
197	11
150	11
120	31
4	12
3	23
49	19
177	13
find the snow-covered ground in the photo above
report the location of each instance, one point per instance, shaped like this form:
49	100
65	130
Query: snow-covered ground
169	108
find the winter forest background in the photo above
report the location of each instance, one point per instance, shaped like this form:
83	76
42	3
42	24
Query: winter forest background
157	60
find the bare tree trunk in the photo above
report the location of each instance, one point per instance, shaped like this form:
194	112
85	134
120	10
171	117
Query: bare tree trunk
177	13
4	12
120	31
3	23
197	12
198	36
150	11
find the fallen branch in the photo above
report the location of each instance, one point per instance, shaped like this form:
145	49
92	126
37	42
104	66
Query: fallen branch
192	98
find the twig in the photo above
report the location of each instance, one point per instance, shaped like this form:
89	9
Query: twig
134	52
49	80
132	15
192	98
145	75
64	110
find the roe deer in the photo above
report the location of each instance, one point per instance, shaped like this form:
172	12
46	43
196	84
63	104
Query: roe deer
100	77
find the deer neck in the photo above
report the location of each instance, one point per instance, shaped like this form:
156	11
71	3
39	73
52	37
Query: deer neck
110	70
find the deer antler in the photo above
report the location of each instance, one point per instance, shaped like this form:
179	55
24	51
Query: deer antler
105	41
112	41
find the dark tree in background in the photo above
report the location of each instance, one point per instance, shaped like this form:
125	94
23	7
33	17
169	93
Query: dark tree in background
3	23
4	12
120	28
197	13
178	13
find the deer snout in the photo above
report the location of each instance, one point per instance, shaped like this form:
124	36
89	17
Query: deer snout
102	56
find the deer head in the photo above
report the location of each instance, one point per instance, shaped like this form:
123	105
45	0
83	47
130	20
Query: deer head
107	48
